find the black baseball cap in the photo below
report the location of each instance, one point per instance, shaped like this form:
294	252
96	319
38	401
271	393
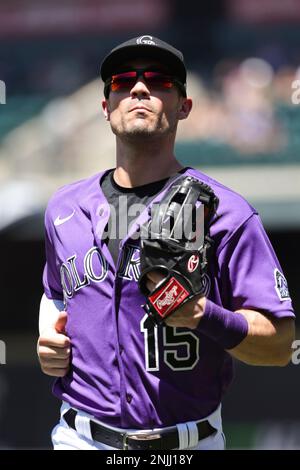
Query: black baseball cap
147	47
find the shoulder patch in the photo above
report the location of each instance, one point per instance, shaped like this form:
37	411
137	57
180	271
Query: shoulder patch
281	285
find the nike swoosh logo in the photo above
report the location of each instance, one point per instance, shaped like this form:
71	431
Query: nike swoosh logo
58	221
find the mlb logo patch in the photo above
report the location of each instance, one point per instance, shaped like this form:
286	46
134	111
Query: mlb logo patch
281	285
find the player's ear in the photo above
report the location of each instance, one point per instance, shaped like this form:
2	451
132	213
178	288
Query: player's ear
185	107
105	109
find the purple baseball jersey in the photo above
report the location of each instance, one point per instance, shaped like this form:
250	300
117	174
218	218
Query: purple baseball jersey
126	372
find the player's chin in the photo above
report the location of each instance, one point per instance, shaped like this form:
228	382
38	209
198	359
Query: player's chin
141	127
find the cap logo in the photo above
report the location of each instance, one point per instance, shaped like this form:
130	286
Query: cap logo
145	40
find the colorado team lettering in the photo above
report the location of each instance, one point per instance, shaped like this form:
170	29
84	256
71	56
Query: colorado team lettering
130	263
95	269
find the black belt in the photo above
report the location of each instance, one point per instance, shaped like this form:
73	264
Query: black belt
131	441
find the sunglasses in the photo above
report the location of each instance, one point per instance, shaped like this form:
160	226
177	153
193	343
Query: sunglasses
154	79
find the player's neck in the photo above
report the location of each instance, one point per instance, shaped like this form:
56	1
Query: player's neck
136	166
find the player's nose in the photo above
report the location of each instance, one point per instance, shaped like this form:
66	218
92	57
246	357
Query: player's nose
140	88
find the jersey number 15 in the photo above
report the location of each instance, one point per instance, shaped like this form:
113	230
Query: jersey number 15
172	340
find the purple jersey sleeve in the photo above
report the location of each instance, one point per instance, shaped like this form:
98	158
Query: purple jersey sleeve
51	274
251	273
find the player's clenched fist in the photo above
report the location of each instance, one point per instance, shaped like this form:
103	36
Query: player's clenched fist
54	348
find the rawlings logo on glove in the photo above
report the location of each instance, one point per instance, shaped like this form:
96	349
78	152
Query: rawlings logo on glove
168	297
176	245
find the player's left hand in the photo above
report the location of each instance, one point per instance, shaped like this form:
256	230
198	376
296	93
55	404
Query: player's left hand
187	316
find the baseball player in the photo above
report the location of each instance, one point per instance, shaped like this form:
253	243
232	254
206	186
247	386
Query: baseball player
124	381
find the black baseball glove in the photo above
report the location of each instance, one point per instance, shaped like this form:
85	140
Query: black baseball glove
176	243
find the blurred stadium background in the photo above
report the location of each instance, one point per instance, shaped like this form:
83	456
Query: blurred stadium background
243	57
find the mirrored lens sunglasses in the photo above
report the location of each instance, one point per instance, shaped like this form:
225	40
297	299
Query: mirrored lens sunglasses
154	79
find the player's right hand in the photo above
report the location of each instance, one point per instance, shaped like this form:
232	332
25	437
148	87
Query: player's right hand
54	348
